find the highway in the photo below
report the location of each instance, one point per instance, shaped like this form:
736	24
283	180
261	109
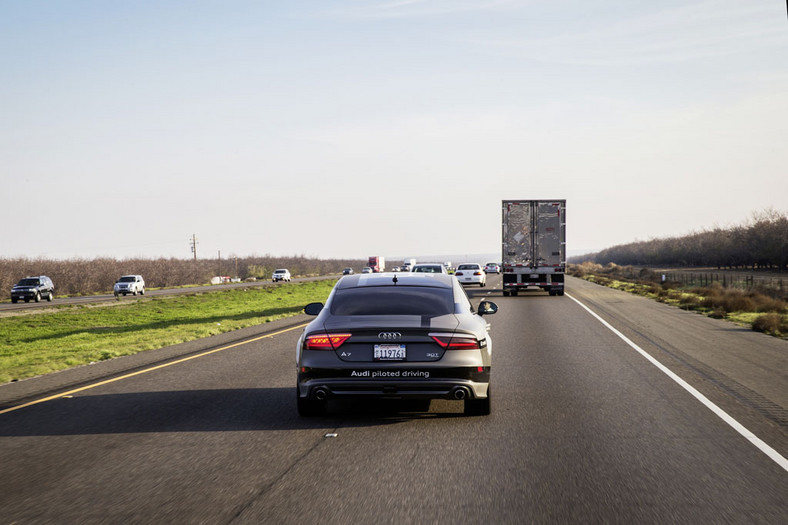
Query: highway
607	408
9	307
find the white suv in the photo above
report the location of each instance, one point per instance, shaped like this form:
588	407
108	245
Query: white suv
281	275
130	284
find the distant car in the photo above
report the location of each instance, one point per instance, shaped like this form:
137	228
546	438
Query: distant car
492	268
396	269
397	336
348	271
366	269
130	284
33	288
471	273
281	275
430	268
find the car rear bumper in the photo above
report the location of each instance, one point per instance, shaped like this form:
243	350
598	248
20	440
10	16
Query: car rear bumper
416	383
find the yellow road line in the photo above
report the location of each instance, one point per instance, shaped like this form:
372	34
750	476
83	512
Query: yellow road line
145	371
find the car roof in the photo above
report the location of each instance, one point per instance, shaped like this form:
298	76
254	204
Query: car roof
435	280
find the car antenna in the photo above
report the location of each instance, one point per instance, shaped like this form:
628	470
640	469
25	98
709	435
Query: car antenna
395	280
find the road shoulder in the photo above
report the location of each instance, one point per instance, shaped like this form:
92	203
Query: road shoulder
18	392
742	371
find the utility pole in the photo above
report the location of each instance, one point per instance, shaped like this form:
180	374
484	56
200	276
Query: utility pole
193	244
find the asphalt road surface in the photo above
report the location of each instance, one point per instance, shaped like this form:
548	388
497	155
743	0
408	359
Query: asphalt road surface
584	429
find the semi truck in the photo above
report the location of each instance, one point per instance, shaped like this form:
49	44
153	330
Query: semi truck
377	263
534	245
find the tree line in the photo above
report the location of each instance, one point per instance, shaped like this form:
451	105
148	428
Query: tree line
761	243
92	276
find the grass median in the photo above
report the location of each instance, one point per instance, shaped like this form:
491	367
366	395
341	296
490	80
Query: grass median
69	336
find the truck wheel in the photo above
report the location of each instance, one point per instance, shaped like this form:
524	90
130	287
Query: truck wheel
506	293
14	300
514	293
37	298
50	296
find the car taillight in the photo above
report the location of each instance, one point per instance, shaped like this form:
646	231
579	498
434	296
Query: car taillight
325	341
457	342
477	273
457	273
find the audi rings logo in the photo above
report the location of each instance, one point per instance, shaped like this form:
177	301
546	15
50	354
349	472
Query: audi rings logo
389	336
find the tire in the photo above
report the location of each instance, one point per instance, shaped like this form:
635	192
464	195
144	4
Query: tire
37	298
308	407
14	300
506	293
142	292
134	293
51	296
478	407
514	293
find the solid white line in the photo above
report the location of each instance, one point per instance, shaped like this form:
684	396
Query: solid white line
738	427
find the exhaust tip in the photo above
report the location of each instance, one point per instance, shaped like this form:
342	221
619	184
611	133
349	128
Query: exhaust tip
460	394
321	394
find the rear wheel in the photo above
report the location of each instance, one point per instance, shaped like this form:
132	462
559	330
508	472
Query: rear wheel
37	298
308	407
478	407
506	293
50	296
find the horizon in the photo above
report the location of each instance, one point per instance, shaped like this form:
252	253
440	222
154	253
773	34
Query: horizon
371	127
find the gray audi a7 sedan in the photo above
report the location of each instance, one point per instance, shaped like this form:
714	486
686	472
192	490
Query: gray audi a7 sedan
395	336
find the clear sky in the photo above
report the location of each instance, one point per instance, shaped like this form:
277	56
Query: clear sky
392	127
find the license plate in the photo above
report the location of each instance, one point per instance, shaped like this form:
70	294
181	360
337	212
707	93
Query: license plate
389	353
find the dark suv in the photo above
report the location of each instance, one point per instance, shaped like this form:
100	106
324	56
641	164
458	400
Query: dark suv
33	288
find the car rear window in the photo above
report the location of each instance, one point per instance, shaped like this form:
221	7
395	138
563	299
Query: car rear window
393	300
428	269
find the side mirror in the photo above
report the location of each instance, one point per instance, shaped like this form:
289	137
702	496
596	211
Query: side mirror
313	308
487	308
